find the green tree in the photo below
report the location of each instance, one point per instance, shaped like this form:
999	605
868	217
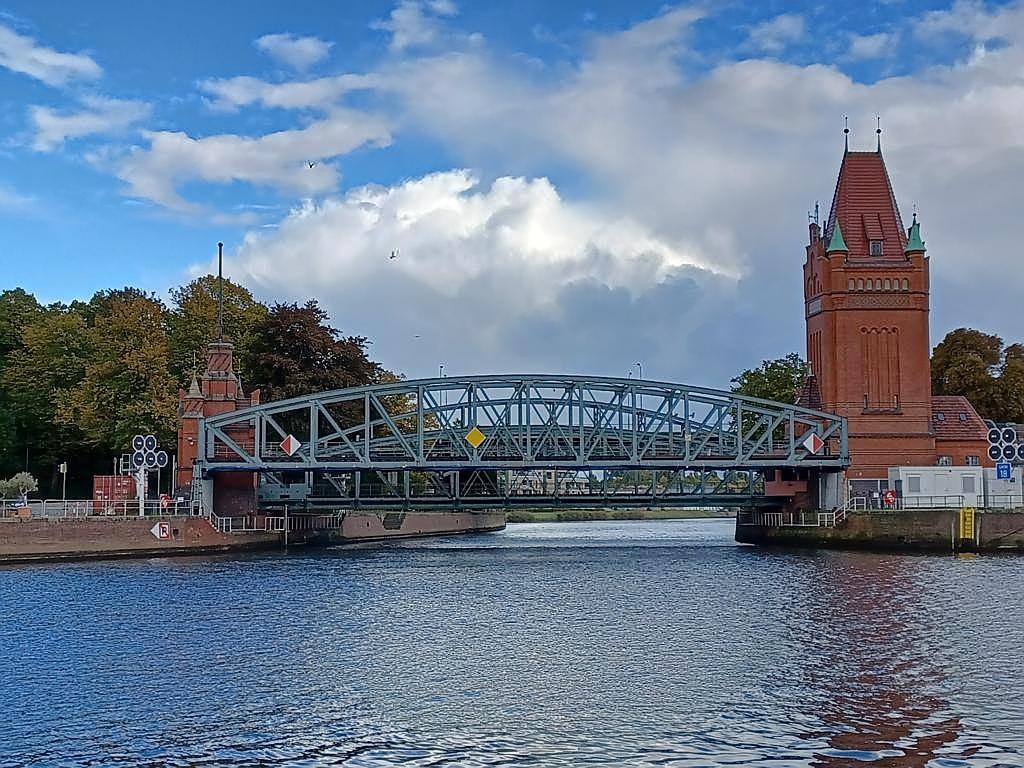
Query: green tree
779	380
974	364
294	352
192	322
127	387
18	308
49	365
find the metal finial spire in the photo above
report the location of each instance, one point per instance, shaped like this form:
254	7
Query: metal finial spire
846	132
878	133
817	219
220	292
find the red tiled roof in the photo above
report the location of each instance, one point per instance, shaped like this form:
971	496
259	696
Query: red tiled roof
810	393
954	418
866	207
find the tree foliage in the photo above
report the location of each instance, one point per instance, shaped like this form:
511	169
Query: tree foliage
976	365
192	323
77	381
294	352
779	380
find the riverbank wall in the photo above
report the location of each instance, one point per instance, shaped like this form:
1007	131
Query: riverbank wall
925	530
152	536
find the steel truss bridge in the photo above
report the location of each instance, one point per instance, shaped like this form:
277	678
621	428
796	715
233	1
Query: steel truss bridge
509	440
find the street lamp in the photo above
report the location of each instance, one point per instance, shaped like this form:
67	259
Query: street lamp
641	367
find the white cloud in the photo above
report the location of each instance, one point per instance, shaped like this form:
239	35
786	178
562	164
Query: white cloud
415	23
296	52
100	116
23	54
481	269
774	35
725	161
278	160
872	46
321	93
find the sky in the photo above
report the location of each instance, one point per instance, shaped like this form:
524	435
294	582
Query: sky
576	187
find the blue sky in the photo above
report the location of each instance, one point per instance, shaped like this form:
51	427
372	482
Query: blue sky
563	181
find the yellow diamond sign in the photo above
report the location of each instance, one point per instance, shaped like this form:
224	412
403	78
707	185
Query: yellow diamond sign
475	437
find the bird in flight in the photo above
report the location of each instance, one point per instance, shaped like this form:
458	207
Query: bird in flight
310	163
394	254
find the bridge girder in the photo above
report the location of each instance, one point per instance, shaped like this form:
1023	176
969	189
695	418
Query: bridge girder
526	422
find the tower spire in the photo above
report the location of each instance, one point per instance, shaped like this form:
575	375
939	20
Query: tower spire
220	292
846	133
878	133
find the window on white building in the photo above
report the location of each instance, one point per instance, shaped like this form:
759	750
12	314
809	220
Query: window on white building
967	483
913	483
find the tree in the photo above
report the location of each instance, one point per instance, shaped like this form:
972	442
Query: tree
780	380
127	387
974	364
50	364
294	352
19	486
192	322
18	308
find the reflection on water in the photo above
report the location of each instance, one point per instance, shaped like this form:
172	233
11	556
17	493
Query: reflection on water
621	643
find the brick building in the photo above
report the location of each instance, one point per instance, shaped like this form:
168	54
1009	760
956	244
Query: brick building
866	302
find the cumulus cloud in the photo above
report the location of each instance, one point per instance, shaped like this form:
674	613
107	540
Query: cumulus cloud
498	275
296	52
100	116
871	46
278	160
415	23
670	151
19	53
774	35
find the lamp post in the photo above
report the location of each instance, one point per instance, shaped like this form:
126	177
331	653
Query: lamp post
641	369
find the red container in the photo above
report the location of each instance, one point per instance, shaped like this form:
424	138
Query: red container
109	492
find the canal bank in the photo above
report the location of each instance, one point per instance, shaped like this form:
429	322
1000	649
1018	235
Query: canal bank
919	530
96	537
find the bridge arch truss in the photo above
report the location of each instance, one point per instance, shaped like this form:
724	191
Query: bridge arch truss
522	422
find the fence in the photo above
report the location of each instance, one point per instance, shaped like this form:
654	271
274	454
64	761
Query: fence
51	509
275	523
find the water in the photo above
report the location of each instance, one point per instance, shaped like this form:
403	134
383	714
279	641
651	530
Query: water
598	644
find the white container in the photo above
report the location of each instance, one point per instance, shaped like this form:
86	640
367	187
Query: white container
1004	494
920	487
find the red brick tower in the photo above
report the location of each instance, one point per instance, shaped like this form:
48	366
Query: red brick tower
218	391
866	304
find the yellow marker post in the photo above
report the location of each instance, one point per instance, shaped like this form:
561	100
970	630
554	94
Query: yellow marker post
967	523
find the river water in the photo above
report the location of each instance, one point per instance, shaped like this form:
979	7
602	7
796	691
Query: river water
656	643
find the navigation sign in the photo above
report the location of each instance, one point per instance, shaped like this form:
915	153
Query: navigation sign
290	445
812	443
1004	471
161	531
475	437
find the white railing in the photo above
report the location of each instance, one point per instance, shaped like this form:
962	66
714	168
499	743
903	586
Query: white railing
276	523
71	509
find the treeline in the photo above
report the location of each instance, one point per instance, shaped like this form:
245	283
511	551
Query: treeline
78	380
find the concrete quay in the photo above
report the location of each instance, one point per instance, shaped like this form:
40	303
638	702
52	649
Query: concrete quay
923	530
50	539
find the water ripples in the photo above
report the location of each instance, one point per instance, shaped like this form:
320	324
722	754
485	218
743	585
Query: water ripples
584	644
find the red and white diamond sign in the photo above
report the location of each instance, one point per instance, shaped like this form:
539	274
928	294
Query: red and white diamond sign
290	445
813	443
